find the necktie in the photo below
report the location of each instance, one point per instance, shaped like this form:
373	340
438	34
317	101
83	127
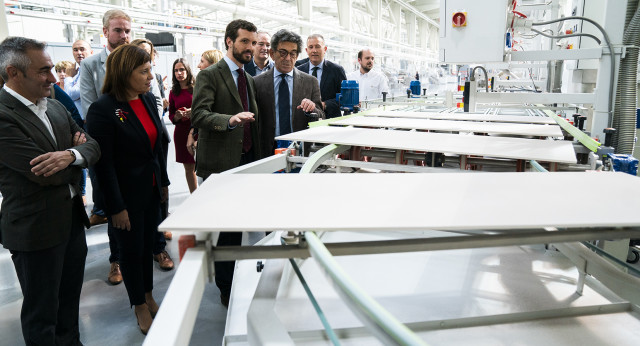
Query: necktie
315	71
284	109
242	90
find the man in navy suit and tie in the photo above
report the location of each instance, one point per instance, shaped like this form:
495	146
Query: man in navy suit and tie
329	74
260	62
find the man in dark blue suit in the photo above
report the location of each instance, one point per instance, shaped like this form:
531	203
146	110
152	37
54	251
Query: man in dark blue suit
329	74
260	62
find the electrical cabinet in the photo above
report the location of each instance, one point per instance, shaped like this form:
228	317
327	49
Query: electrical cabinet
472	31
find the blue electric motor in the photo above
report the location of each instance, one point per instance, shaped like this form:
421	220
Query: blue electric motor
349	97
414	85
624	163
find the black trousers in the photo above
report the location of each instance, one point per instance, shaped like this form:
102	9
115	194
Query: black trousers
135	248
51	281
158	245
224	270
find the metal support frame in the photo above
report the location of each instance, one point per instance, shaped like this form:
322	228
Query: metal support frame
182	300
263	325
381	323
269	164
483	240
321	155
590	263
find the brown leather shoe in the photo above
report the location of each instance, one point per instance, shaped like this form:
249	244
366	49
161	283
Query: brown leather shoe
115	276
168	235
165	261
144	317
96	219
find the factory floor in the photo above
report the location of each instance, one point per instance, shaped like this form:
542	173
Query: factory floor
105	316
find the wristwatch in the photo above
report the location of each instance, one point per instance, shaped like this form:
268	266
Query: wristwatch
72	154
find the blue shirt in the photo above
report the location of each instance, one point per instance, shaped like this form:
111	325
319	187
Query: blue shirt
276	85
234	69
234	73
319	73
259	71
72	88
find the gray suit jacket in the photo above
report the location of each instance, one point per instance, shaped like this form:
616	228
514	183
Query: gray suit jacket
215	101
92	72
304	86
36	210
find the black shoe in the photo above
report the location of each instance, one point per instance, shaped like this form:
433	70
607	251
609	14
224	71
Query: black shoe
224	299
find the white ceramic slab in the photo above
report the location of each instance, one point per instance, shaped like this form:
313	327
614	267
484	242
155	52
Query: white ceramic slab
499	147
519	129
405	202
525	119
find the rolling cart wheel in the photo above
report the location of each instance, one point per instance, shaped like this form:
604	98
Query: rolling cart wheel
633	256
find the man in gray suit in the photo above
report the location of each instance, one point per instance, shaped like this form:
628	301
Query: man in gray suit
42	216
117	30
224	111
287	98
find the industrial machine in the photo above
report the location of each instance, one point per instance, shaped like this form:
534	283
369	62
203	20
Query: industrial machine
475	246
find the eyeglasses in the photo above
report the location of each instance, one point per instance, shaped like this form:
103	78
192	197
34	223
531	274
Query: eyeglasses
283	53
180	70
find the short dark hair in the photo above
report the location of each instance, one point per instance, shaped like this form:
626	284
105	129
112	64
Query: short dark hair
175	88
284	35
360	54
232	30
120	64
13	52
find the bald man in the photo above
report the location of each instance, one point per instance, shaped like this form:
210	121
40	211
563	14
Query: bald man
81	50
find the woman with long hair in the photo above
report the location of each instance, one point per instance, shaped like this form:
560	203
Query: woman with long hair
180	98
131	171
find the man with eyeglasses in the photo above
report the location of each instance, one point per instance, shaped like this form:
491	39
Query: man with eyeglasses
224	111
288	100
260	62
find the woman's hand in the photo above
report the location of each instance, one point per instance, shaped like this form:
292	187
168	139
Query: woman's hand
179	115
192	144
121	220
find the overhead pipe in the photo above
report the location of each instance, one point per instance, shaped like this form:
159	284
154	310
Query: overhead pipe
292	20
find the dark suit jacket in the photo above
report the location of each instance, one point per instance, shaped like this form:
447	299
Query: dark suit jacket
332	77
36	210
61	96
304	86
301	62
215	101
128	165
250	68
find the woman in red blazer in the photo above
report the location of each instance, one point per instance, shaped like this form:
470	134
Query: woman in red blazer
131	171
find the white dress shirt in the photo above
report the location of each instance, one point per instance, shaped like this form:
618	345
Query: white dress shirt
371	84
